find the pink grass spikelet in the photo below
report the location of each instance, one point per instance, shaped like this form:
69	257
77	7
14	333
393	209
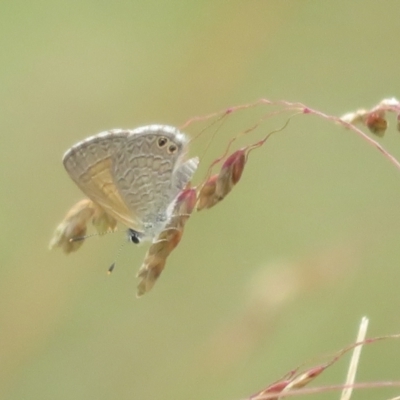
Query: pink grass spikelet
165	242
376	123
218	186
69	235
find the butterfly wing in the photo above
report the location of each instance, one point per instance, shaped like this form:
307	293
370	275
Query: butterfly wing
90	162
183	174
144	173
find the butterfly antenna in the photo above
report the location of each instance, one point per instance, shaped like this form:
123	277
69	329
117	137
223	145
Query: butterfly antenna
112	266
79	238
132	236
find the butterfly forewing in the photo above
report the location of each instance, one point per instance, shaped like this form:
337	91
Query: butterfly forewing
89	164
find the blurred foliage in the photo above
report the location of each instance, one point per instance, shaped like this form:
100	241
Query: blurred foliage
72	69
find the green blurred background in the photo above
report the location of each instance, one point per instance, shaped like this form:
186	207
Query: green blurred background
316	192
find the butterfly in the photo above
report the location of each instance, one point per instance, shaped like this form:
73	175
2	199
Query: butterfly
134	176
